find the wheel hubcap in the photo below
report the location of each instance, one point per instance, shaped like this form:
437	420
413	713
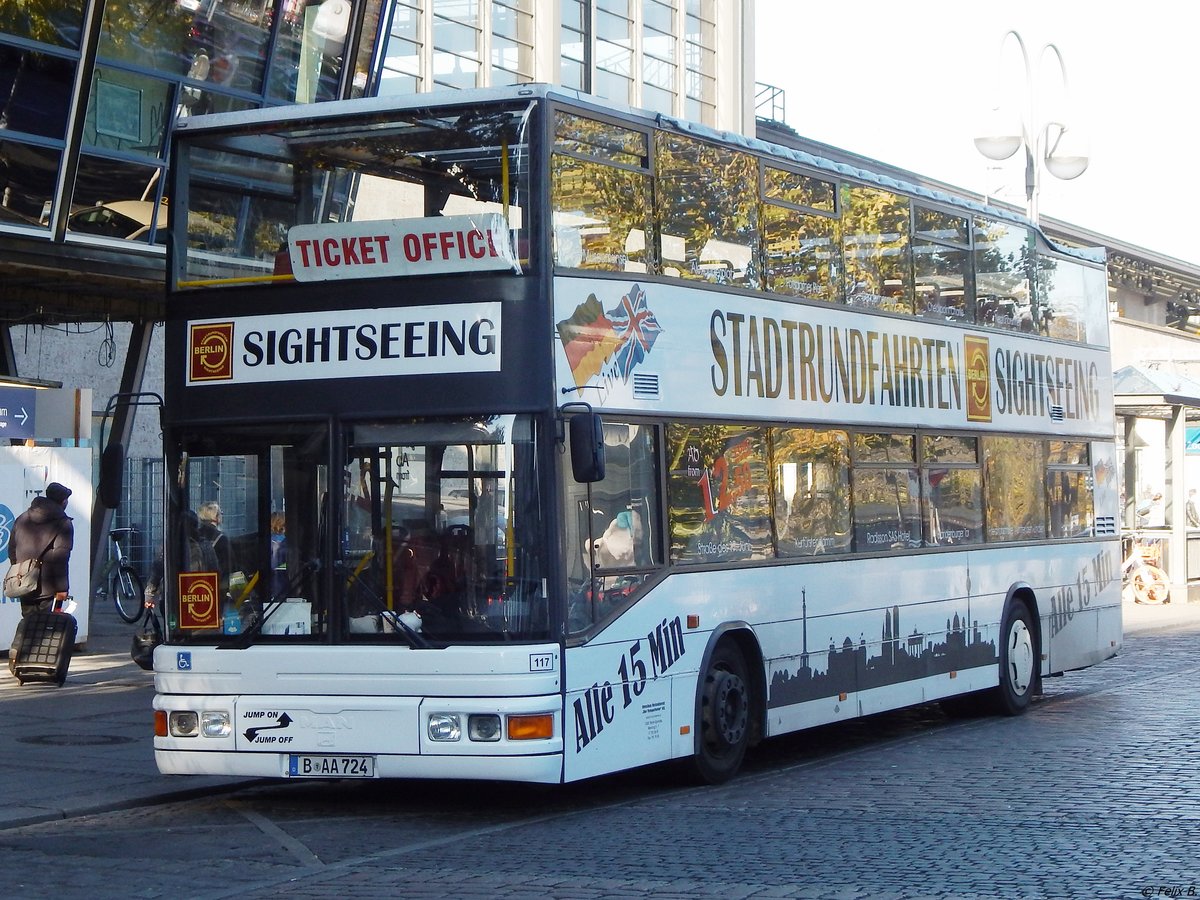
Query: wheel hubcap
729	708
1020	657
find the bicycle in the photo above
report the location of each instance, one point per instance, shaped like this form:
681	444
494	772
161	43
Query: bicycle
1140	575
127	587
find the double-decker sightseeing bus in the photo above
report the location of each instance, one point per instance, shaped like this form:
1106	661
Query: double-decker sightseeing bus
513	436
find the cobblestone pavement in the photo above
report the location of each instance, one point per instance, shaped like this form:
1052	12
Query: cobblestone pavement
1093	793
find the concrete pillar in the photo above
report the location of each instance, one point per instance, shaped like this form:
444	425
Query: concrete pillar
1176	491
1128	517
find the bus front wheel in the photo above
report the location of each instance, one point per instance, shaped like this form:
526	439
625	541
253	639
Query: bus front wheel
724	716
1018	661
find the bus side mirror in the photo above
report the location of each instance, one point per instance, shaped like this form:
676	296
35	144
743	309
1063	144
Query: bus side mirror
587	447
112	474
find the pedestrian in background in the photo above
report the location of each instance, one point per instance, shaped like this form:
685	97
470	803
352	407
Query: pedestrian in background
208	531
47	531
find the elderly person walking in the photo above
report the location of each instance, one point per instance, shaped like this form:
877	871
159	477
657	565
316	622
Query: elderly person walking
47	531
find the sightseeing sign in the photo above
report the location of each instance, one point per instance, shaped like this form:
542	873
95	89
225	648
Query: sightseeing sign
648	346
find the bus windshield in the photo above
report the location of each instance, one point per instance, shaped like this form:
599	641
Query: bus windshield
299	202
428	535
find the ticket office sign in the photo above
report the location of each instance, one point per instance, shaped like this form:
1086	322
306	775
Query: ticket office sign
401	247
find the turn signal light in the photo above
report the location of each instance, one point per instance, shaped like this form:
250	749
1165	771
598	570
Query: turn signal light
531	728
160	723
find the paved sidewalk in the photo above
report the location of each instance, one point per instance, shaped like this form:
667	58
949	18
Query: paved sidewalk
87	747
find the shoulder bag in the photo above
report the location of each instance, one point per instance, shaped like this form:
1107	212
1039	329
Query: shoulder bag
145	639
23	577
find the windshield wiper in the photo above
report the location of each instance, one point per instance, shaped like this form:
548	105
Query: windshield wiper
414	638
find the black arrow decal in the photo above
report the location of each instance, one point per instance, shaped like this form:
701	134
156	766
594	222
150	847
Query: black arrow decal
283	721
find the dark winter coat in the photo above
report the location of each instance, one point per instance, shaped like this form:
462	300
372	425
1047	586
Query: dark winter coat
207	531
31	532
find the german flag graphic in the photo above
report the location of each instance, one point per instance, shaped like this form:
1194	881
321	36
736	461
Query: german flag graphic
589	340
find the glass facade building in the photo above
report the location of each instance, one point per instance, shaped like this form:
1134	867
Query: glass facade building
89	90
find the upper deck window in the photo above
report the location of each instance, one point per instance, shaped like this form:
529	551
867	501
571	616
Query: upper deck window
600	191
707	212
800	235
941	264
1073	299
248	193
876	249
1002	256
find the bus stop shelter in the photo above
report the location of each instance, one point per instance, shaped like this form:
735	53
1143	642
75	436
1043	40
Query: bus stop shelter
1158	415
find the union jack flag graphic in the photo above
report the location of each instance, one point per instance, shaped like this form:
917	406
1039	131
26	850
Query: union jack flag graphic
637	328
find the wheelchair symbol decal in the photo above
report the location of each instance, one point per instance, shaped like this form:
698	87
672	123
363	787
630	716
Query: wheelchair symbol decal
183	661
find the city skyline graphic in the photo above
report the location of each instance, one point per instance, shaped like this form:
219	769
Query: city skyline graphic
900	658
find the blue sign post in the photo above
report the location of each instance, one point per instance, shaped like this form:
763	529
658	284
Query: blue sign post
16	412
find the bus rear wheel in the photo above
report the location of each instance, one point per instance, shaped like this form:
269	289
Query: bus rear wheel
1018	661
725	705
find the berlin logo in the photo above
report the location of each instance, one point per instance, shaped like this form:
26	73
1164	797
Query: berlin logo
979	397
212	352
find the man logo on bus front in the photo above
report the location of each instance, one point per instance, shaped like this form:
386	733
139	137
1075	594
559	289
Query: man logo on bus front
211	352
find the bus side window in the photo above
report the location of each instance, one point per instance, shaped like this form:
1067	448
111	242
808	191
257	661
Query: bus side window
612	522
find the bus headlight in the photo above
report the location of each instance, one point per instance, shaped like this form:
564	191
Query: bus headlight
444	727
483	728
184	723
215	723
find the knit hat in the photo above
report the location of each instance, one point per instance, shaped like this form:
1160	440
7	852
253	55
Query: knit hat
57	492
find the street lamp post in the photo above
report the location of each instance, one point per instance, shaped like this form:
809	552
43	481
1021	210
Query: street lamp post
1043	140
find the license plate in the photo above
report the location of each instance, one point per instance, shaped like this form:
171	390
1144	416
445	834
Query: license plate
307	766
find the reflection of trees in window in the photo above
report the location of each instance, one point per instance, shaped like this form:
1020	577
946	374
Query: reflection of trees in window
1067	453
1069	489
600	215
1002	295
237	225
953	490
707	209
49	21
600	192
812	491
600	140
954	507
1015	488
887	495
882	447
941	262
801	246
875	247
1070	502
719	493
146	32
